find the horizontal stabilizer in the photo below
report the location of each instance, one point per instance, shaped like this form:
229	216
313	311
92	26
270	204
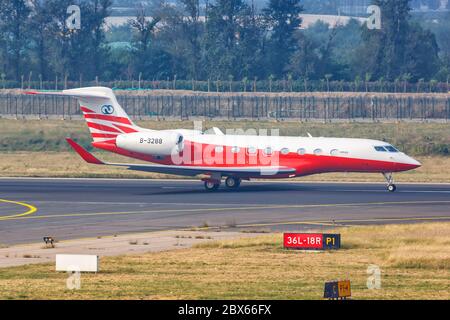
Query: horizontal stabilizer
88	157
93	92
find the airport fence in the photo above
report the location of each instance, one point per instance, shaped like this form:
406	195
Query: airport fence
243	106
242	86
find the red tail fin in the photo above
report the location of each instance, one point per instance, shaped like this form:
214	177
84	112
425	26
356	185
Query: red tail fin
104	116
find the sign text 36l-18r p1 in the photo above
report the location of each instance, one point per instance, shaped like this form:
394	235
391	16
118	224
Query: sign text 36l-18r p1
311	241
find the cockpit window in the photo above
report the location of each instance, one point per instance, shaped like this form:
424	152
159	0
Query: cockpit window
390	149
381	149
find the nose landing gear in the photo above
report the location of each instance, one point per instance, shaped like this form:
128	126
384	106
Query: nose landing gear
391	187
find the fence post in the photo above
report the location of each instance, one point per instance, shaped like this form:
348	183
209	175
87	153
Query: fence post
16	108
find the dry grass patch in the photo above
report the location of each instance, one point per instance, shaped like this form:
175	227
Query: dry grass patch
64	164
414	260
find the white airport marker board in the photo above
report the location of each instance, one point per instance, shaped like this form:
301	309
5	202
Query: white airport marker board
77	262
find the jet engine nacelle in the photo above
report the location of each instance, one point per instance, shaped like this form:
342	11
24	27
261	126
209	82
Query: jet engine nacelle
155	143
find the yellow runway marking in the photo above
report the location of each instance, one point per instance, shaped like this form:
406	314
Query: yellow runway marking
31	210
249	208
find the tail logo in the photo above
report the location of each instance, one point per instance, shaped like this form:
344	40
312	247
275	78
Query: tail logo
107	109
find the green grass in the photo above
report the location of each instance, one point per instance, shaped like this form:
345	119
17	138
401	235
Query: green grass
414	262
417	139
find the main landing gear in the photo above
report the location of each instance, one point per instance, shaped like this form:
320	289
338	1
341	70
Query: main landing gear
212	184
391	187
233	182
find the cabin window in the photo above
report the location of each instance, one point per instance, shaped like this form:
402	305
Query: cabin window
301	151
218	149
268	151
284	151
380	149
235	149
318	152
334	152
252	150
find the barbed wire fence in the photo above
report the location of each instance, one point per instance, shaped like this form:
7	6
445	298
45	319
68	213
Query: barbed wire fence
245	85
241	107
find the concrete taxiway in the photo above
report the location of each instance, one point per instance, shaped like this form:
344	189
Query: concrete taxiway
76	208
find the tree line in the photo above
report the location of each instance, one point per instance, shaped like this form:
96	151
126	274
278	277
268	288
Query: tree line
229	40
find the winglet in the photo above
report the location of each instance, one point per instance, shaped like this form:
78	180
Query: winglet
89	158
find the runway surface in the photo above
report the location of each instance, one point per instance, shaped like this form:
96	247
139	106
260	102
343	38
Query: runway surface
66	209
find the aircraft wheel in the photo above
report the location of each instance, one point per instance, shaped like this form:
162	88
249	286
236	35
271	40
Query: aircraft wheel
211	185
233	182
391	188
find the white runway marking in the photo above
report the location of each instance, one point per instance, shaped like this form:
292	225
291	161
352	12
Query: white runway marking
145	203
398	191
425	191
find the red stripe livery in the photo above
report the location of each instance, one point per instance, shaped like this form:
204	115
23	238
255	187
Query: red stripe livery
108	118
102	127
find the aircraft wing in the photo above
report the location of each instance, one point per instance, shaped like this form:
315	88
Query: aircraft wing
185	170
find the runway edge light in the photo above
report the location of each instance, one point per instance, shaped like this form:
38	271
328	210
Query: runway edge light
49	242
311	241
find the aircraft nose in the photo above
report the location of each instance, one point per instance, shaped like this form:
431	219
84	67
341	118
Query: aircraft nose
413	163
